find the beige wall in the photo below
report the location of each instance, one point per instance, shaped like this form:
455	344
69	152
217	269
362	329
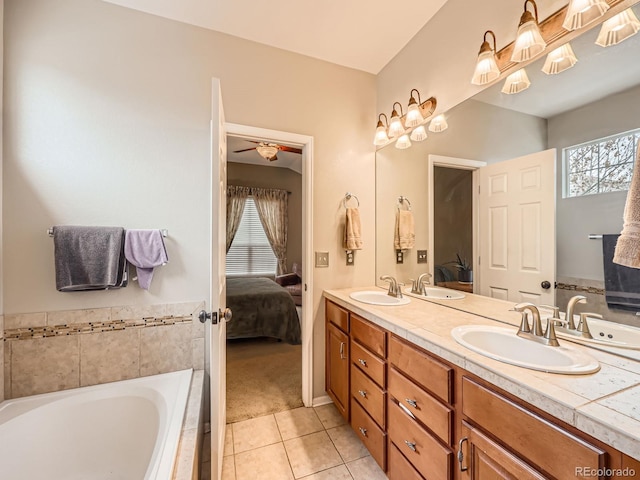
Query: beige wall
107	123
284	179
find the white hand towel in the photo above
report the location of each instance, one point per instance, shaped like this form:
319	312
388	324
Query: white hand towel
627	251
352	230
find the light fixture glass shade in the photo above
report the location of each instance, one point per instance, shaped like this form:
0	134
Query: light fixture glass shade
618	28
438	124
267	151
529	42
381	137
486	68
419	134
559	60
414	116
516	82
583	12
403	142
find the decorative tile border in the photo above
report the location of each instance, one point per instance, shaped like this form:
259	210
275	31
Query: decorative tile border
578	288
91	327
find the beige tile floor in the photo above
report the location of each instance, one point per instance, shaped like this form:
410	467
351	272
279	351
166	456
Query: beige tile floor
304	443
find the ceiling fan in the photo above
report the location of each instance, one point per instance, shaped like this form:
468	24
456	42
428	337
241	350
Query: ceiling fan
269	151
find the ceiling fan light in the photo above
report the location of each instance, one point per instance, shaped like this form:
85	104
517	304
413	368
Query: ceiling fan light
529	41
419	134
486	66
583	12
267	151
438	124
403	142
559	60
516	82
618	28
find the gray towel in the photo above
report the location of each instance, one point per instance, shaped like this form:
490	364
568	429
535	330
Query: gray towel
145	250
621	283
89	258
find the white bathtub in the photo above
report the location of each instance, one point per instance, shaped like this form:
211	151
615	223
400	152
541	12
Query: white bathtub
126	430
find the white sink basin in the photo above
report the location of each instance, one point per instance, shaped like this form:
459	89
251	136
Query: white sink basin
607	333
440	293
375	297
501	343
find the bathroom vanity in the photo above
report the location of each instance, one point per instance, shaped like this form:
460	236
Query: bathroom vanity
428	408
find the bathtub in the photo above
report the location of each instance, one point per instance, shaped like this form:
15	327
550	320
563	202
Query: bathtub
126	430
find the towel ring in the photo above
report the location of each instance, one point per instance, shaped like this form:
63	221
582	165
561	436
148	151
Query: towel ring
401	200
348	196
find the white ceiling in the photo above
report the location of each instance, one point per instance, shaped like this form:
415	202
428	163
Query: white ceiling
361	34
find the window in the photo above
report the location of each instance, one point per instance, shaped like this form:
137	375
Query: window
250	252
604	165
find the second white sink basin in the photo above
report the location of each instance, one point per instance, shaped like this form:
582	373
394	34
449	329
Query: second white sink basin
440	293
501	343
608	333
378	297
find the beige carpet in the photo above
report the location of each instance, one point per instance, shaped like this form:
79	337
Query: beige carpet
263	376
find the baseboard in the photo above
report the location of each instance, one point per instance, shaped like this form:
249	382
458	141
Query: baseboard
323	400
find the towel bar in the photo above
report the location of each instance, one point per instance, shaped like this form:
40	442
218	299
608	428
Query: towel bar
401	200
594	236
348	196
164	231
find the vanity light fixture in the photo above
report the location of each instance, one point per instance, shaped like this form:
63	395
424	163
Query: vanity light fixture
438	124
559	60
583	12
381	137
516	82
529	41
403	142
419	134
486	67
395	126
618	28
414	116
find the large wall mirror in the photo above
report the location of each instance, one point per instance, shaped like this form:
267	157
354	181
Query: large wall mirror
597	98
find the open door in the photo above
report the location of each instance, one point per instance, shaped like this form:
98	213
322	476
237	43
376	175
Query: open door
217	301
517	228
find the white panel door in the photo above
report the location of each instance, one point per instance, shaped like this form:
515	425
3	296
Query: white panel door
517	229
218	331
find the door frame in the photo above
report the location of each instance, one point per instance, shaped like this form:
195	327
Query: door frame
462	164
306	143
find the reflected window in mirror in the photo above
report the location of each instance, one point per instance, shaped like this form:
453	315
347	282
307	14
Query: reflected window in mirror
600	166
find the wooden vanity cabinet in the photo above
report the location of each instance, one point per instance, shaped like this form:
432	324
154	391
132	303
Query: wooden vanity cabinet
337	356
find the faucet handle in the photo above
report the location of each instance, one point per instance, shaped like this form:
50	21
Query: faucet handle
550	332
415	286
556	310
524	322
583	327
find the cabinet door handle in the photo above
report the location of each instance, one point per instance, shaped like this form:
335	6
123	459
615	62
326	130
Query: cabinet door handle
411	445
362	362
362	393
363	431
342	357
461	455
413	403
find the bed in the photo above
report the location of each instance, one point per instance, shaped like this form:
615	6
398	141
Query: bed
261	308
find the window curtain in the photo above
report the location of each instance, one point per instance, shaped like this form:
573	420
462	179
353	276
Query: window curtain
272	206
236	197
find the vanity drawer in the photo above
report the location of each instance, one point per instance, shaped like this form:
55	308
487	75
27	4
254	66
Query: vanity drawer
424	452
368	363
337	315
369	335
432	413
423	369
538	440
368	394
370	434
399	467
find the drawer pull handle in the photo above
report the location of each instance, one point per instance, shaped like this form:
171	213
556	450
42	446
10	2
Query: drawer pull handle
342	357
413	403
411	445
461	455
362	362
362	393
363	431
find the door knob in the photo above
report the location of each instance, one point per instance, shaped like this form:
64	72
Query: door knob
213	316
546	284
227	314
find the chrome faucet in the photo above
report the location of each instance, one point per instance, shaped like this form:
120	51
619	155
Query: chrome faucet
583	328
535	333
570	307
395	288
417	286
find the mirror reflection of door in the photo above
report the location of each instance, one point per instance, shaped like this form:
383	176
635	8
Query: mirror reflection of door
453	228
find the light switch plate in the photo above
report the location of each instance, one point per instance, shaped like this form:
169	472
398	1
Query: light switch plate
322	259
399	256
350	259
422	256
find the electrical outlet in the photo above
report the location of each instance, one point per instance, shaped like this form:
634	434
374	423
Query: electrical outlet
422	256
350	259
399	256
322	259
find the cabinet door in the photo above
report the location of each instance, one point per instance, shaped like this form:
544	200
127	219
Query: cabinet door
483	459
337	368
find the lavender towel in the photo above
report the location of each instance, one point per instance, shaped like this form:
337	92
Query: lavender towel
145	250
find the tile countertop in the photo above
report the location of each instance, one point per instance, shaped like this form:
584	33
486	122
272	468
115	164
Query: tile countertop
605	404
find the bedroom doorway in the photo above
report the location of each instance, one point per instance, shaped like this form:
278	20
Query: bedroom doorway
269	364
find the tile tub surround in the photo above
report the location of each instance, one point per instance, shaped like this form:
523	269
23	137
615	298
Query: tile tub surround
597	404
188	457
50	351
